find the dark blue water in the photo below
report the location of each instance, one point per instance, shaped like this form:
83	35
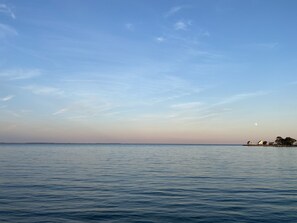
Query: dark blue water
147	183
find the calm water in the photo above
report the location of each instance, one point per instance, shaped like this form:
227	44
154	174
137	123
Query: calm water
147	183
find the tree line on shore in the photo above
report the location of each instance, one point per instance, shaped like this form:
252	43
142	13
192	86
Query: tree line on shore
288	141
279	141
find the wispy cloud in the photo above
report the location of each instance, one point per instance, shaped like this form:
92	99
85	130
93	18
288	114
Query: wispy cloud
187	106
7	98
197	117
61	111
198	111
174	10
7	10
182	25
19	74
6	30
12	113
204	33
115	94
240	97
88	108
159	39
172	97
271	45
264	45
44	90
129	26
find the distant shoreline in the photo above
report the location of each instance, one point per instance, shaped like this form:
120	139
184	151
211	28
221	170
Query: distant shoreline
270	145
86	143
181	144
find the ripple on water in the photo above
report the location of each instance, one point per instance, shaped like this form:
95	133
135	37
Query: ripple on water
145	183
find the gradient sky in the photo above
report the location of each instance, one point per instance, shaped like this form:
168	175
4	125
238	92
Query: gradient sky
201	71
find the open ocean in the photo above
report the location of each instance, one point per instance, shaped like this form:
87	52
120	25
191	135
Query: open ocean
147	183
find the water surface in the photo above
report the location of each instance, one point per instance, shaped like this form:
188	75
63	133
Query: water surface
147	183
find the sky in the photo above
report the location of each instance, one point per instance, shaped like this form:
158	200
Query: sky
148	71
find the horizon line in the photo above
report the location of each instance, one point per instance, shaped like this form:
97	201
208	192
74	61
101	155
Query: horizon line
119	143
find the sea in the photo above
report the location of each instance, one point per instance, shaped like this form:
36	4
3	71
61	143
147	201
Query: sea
147	183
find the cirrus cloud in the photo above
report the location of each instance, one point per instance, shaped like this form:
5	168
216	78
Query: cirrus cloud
7	98
175	10
19	74
4	9
182	25
44	90
6	31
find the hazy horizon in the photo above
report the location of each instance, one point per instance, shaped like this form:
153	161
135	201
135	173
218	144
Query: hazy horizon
193	72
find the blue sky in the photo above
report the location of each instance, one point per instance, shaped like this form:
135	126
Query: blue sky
205	71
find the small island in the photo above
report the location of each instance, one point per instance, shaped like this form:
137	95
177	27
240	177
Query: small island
279	142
